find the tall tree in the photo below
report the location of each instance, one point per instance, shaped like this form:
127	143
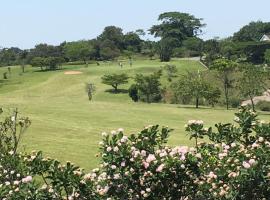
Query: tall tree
176	27
252	32
225	69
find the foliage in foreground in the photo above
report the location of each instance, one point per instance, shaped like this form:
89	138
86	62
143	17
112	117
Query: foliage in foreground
235	164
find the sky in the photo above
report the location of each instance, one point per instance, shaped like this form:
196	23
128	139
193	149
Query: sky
25	23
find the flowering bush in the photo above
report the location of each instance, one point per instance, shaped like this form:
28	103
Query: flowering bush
235	164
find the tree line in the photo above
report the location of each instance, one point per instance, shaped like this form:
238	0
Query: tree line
177	34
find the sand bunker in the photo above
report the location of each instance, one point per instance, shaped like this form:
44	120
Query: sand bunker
73	72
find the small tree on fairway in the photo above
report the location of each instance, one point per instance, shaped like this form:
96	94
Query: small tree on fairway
90	89
225	69
115	80
253	82
149	87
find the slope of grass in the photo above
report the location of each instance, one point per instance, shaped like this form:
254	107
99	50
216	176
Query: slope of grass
65	125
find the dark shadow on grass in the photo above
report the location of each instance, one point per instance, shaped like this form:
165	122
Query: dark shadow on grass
119	91
49	70
203	107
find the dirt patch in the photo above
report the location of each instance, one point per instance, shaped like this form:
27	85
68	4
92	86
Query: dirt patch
264	97
72	72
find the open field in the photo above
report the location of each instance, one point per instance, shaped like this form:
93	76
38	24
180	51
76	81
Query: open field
65	125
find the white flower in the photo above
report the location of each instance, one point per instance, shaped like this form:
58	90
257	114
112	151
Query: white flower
113	132
109	149
104	134
261	139
120	130
236	119
13	118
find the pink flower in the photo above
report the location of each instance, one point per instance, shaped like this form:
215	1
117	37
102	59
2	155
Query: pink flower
246	165
160	168
146	165
27	179
150	158
251	161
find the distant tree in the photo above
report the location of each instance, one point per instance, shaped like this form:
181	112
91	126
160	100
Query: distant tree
267	57
132	42
80	50
225	68
113	34
171	71
175	27
108	50
212	94
90	89
53	63
252	32
148	87
252	82
193	86
194	46
115	80
23	56
38	62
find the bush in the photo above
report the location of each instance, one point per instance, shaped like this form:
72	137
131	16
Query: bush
235	102
263	105
235	164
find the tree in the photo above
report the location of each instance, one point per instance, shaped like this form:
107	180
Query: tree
38	62
267	56
108	50
192	85
252	82
23	56
113	34
90	89
80	50
252	32
132	42
171	71
175	27
53	63
212	95
115	80
225	69
148	87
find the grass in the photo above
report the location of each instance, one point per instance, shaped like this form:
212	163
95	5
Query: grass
66	126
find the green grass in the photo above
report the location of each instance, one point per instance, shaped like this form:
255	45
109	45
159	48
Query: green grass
66	126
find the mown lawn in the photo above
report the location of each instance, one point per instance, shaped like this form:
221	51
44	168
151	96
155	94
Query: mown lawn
65	125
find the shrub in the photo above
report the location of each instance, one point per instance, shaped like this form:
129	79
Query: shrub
133	92
235	164
263	105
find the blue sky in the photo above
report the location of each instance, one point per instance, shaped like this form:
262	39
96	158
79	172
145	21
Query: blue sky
24	23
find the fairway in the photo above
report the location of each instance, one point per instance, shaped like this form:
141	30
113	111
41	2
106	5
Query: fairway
65	125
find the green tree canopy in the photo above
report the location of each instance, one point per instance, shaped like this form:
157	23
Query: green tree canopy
252	32
115	80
